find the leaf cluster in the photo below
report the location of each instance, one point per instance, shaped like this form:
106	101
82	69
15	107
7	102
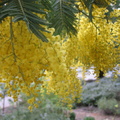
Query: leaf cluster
62	17
47	110
27	11
60	14
106	87
108	105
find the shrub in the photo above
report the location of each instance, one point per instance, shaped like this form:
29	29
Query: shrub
72	116
106	87
47	110
89	118
108	105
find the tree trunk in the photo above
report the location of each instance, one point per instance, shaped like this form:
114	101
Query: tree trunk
101	74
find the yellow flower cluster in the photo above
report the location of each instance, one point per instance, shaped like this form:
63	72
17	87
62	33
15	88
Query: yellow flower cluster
20	59
97	44
62	79
24	58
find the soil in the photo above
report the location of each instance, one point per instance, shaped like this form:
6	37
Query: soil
82	112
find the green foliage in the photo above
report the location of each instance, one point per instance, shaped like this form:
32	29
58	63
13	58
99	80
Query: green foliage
74	105
25	10
63	17
46	4
72	116
108	106
89	118
47	110
106	87
60	14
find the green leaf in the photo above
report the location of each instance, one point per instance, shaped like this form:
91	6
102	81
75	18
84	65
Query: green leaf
46	4
62	17
37	33
17	18
27	11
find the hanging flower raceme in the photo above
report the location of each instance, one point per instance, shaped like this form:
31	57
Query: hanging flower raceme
24	58
21	59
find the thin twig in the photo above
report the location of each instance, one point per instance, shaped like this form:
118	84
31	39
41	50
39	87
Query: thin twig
11	39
